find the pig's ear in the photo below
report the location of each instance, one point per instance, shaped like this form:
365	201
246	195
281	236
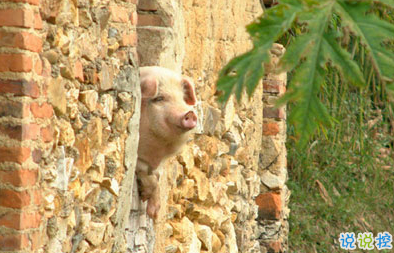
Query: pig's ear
189	93
148	87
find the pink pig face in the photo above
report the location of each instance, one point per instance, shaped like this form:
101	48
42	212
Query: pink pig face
167	113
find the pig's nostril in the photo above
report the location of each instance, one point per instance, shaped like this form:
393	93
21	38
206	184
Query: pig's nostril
189	121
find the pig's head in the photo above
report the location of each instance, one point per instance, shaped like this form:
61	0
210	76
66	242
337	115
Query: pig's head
167	113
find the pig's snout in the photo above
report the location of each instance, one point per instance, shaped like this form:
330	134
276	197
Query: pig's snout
189	120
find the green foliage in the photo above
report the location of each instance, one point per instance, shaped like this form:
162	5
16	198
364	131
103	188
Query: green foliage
353	164
325	25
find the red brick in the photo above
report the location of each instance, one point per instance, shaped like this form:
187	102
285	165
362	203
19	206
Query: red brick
270	206
20	221
14	199
22	40
35	239
17	17
274	113
20	87
37	21
78	71
13	108
30	131
46	68
15	62
47	134
44	110
275	247
19	178
274	86
20	132
14	154
119	14
270	128
38	67
147	5
150	20
37	197
37	155
14	242
134	18
129	40
35	2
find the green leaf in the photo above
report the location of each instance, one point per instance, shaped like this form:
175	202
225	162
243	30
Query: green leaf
247	69
320	25
295	52
373	33
341	59
309	113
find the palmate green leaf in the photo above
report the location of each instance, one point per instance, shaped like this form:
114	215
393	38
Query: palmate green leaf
309	53
341	59
372	32
295	52
309	113
247	69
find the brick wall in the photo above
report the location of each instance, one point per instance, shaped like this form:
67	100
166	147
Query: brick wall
25	129
274	195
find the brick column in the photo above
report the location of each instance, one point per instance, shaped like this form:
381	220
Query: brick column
273	199
25	129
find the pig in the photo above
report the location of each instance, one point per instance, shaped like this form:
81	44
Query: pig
167	116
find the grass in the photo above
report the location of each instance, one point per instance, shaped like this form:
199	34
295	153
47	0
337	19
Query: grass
344	180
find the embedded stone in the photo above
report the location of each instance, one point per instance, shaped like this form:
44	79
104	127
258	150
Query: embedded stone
186	189
185	230
65	132
89	98
204	233
95	133
112	185
228	114
202	183
57	95
85	157
95	233
272	181
106	77
96	171
216	243
107	106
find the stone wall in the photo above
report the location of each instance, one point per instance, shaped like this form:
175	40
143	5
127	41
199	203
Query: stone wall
69	119
70	111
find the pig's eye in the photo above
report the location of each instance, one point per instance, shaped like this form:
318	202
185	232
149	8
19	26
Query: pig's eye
158	99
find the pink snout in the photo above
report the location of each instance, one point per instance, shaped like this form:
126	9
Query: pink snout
189	120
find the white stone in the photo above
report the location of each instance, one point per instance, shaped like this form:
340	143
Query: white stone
228	114
49	204
107	103
204	233
185	229
273	181
95	233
